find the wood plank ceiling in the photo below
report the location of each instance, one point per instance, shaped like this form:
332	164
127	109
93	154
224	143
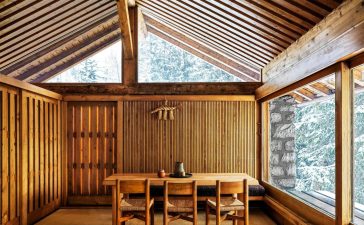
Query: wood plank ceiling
39	39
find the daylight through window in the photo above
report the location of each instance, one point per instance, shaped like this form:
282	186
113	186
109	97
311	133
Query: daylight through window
358	75
103	67
160	61
302	143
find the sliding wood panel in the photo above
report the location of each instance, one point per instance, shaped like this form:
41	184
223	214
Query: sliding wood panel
208	136
41	154
9	157
91	151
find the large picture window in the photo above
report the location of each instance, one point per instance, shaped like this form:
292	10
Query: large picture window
301	143
358	153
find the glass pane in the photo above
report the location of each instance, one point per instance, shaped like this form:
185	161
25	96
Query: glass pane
103	67
358	74
302	143
159	62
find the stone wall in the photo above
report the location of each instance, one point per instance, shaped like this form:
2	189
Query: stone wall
282	133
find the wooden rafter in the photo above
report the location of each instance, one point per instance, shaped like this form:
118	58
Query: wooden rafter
100	44
52	63
191	27
125	28
198	49
27	29
19	66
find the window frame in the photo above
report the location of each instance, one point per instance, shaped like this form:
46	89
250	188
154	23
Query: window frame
343	194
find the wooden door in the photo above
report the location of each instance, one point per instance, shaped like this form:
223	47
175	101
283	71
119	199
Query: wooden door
91	151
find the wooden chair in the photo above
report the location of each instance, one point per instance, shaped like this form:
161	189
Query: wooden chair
183	204
228	208
130	208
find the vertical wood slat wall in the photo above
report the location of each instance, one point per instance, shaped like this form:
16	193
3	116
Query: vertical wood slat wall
208	136
30	155
9	157
91	150
41	122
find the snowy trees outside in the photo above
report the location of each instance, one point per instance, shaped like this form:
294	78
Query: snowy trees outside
315	146
160	61
103	67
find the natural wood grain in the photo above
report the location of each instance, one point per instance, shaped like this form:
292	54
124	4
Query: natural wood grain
209	136
203	179
91	141
343	144
317	49
245	88
125	28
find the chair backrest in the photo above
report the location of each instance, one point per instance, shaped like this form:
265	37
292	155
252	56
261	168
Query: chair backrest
133	186
185	188
231	187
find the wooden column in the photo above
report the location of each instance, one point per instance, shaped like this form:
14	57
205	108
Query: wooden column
24	160
119	135
129	63
343	120
64	155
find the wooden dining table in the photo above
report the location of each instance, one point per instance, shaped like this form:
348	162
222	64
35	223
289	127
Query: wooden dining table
203	179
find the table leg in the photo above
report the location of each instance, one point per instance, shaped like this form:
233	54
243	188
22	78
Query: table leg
114	218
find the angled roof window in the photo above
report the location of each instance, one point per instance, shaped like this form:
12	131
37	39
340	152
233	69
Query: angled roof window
102	67
160	61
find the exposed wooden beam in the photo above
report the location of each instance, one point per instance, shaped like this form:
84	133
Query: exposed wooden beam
125	28
205	34
25	62
70	50
304	95
230	30
358	77
319	89
201	51
298	98
73	12
155	88
217	29
318	48
142	27
129	65
208	45
56	33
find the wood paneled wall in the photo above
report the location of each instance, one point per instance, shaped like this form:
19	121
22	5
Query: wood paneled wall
30	153
208	136
9	157
91	144
41	154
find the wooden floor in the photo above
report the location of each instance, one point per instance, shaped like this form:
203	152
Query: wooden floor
103	217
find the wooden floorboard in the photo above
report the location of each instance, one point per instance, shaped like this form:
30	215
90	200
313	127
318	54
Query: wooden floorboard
103	217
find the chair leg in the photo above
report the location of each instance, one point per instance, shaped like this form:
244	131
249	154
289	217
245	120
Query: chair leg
152	216
121	215
165	218
207	219
218	217
235	222
195	218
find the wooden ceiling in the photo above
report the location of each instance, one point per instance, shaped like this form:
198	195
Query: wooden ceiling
41	38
